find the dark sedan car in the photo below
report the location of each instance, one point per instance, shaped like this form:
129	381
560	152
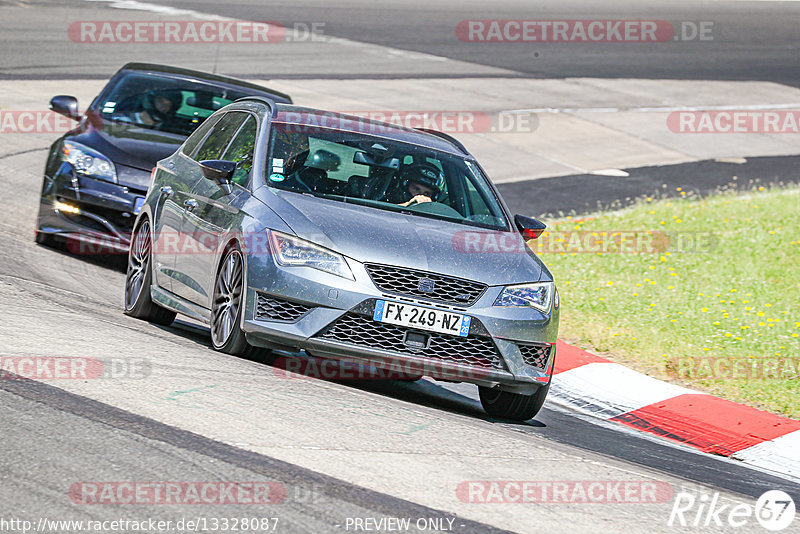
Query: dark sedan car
97	175
294	228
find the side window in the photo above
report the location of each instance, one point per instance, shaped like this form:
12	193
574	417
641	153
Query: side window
217	141
241	151
476	204
197	137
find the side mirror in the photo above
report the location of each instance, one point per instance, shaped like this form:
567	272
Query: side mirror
219	171
65	105
529	227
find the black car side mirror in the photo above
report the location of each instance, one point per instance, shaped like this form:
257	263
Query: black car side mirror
219	171
529	227
65	105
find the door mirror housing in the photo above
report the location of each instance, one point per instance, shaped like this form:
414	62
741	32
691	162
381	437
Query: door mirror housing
529	227
219	171
65	105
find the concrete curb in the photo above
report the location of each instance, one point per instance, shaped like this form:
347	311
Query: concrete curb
596	386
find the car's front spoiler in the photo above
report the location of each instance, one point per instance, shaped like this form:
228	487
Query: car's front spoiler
282	336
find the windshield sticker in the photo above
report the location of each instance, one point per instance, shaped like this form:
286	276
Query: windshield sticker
277	165
276	177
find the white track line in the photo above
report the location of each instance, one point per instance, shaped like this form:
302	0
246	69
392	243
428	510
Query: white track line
665	109
610	389
174	11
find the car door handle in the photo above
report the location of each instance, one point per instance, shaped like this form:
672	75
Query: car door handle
190	204
167	191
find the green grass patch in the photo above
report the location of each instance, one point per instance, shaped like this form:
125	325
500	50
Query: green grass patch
707	293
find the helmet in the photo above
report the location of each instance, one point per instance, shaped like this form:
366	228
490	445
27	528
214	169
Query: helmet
324	160
423	173
173	95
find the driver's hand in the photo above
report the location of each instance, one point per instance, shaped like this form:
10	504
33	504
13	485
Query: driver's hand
145	118
418	199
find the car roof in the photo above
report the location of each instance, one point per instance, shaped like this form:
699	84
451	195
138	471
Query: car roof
319	118
206	76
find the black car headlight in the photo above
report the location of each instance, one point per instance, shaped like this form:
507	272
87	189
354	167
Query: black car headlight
88	162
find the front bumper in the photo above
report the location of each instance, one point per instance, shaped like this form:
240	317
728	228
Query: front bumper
95	217
329	316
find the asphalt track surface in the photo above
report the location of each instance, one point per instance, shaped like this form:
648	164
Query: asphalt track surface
53	435
752	40
585	193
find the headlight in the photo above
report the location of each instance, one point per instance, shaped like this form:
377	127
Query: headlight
537	295
88	161
293	251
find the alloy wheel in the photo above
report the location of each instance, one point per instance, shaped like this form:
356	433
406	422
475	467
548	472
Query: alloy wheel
138	263
227	298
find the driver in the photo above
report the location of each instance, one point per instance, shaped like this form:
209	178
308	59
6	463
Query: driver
156	108
421	182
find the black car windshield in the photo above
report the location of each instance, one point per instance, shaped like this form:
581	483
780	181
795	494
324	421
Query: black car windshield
381	173
163	103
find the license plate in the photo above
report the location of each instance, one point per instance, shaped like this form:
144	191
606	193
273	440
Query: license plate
138	202
423	318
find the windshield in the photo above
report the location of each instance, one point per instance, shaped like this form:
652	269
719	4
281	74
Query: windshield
381	173
163	103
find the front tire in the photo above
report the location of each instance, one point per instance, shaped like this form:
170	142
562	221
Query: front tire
508	405
227	305
137	281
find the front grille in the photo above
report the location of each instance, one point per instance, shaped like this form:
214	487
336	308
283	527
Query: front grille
535	355
421	284
362	331
274	309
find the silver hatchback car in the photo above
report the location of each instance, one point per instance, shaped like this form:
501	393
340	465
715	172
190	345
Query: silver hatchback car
290	228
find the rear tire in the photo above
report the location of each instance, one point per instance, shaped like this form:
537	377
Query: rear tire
137	281
227	305
508	405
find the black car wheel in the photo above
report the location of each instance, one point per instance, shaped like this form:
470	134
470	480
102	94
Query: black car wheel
508	405
227	304
137	281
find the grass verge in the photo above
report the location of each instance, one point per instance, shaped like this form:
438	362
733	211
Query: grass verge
703	292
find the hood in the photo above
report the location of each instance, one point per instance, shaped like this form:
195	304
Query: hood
131	147
372	235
